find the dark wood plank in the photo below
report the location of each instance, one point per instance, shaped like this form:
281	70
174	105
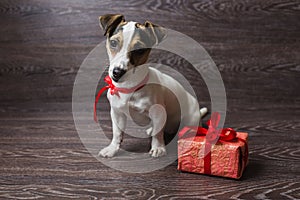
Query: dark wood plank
255	44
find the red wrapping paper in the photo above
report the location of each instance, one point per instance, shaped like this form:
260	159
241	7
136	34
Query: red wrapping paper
227	158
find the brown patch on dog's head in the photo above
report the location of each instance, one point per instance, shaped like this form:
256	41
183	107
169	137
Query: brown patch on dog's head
147	35
139	48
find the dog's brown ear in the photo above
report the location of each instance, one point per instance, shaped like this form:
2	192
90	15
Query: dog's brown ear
110	22
158	32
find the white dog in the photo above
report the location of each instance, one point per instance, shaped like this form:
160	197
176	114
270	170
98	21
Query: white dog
128	47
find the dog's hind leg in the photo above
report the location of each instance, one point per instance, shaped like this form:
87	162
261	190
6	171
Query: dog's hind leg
158	145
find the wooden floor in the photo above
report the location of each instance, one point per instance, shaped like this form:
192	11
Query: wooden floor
255	44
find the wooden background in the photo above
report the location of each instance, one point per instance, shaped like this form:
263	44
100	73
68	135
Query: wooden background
255	44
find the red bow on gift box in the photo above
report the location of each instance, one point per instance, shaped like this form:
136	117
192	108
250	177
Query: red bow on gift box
212	133
212	136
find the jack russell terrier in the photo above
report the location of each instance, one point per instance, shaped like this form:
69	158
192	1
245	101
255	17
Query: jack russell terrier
128	46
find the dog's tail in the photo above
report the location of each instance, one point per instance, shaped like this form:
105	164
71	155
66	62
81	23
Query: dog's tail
203	111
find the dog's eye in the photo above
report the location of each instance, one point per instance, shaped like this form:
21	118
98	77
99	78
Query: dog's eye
113	43
139	51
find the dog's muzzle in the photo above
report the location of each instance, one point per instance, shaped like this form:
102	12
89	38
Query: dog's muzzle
118	73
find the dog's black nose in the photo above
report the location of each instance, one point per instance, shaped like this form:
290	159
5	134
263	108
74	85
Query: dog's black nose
118	73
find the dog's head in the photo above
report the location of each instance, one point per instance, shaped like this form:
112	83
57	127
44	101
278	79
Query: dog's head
128	43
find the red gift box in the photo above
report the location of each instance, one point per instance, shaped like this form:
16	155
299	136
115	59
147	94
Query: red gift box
219	152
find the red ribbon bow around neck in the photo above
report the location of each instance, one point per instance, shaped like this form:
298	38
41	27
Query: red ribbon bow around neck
213	135
113	88
116	90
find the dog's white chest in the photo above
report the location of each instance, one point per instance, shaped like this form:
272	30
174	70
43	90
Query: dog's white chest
119	102
125	102
132	105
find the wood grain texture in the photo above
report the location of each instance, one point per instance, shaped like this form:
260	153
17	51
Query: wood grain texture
255	45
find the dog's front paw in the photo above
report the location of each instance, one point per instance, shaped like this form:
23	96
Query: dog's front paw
158	151
108	151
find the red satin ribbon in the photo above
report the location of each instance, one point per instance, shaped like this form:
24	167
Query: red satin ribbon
213	135
115	91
